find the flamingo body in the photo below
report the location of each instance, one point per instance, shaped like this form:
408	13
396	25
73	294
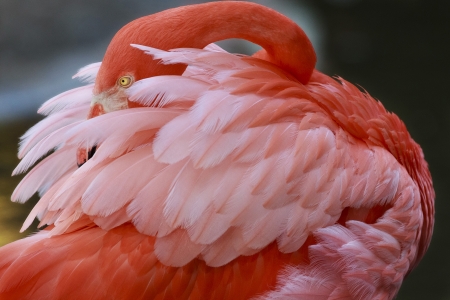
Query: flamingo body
212	175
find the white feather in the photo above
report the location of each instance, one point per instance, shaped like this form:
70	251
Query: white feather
159	91
88	73
80	96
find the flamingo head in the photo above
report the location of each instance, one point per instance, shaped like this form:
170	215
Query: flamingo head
123	65
286	45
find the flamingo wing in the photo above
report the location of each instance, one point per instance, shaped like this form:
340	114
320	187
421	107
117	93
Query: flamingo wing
231	164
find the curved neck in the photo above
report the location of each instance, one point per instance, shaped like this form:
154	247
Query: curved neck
196	26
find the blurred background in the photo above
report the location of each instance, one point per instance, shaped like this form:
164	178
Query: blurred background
398	50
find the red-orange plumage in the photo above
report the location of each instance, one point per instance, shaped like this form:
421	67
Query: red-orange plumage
120	264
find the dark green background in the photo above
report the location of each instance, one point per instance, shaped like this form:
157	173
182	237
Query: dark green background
398	50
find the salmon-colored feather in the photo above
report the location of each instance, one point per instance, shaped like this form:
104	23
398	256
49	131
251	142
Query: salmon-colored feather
44	175
217	175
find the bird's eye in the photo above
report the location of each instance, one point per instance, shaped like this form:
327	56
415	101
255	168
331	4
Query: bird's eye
125	81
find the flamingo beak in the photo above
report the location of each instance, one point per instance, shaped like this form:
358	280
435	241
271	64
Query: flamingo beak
101	103
96	109
83	155
108	101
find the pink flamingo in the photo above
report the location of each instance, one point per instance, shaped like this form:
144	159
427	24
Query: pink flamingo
207	175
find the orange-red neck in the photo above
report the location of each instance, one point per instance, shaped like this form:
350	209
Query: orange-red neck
199	25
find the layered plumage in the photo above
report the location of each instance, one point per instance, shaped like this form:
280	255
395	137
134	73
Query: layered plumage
218	176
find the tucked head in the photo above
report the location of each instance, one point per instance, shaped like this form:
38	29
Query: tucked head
195	27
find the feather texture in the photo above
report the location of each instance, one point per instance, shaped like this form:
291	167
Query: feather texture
225	161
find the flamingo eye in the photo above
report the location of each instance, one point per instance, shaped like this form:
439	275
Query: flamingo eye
125	81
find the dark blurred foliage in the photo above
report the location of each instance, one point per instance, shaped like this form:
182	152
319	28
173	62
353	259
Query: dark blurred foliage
398	50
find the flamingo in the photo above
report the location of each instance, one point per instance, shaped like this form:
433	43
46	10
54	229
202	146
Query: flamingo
181	171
